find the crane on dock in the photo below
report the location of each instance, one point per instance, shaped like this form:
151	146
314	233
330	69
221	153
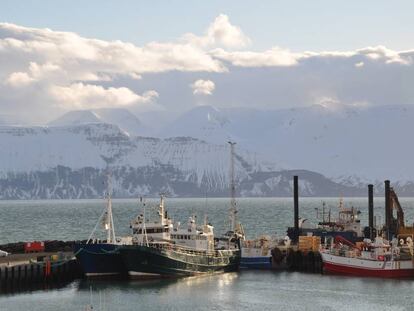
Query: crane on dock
398	222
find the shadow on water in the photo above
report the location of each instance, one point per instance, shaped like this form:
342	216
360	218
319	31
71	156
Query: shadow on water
16	288
155	284
246	290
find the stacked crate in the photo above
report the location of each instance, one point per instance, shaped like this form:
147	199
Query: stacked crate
309	243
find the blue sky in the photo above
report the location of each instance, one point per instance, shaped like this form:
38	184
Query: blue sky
297	25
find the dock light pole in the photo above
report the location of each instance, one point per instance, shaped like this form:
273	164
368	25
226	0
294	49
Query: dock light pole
296	207
371	210
388	211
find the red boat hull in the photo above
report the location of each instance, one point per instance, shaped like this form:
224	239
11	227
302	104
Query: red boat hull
355	271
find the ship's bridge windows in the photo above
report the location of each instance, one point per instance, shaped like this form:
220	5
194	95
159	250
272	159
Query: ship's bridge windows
182	237
150	230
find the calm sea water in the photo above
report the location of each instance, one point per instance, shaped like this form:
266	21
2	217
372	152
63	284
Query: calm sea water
68	220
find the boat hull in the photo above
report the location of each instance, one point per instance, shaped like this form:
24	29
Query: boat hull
367	268
163	262
259	262
262	258
99	260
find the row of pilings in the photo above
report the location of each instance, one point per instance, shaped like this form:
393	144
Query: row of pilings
38	275
304	261
43	273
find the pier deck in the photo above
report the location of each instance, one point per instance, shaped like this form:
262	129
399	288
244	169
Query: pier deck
25	258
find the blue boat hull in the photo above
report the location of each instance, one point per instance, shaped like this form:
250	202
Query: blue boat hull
262	262
99	259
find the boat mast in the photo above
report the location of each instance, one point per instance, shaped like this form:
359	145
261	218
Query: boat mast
144	228
109	221
233	210
106	220
162	209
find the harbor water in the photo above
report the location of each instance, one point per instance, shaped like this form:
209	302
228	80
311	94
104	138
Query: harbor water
247	290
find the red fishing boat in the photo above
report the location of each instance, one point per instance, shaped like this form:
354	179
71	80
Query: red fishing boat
377	258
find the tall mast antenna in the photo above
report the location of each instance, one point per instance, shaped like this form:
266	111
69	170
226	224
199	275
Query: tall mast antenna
233	209
109	219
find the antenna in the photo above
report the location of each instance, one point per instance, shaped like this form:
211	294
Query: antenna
341	203
233	209
323	211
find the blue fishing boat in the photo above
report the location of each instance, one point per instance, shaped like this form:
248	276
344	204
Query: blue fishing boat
264	253
101	257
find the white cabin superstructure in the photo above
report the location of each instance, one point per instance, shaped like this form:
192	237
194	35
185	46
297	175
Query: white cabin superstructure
157	230
162	230
198	238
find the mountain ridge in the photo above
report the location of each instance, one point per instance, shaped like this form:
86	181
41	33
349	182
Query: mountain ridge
73	161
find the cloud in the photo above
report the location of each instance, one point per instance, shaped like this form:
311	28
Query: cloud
270	58
203	87
384	54
220	33
85	96
84	56
284	57
43	62
42	70
19	79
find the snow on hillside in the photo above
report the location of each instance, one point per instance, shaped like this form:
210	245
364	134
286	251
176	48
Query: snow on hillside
123	118
72	162
76	117
203	122
371	142
101	145
41	148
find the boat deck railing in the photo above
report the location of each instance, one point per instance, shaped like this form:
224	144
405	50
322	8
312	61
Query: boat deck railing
187	250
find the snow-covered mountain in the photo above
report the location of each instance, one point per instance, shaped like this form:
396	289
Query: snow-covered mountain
346	141
72	162
203	122
123	118
351	145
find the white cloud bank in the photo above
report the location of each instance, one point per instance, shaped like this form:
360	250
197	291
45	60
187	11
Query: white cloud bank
45	70
86	96
203	87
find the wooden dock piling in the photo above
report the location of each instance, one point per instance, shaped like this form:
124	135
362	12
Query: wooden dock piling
38	274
